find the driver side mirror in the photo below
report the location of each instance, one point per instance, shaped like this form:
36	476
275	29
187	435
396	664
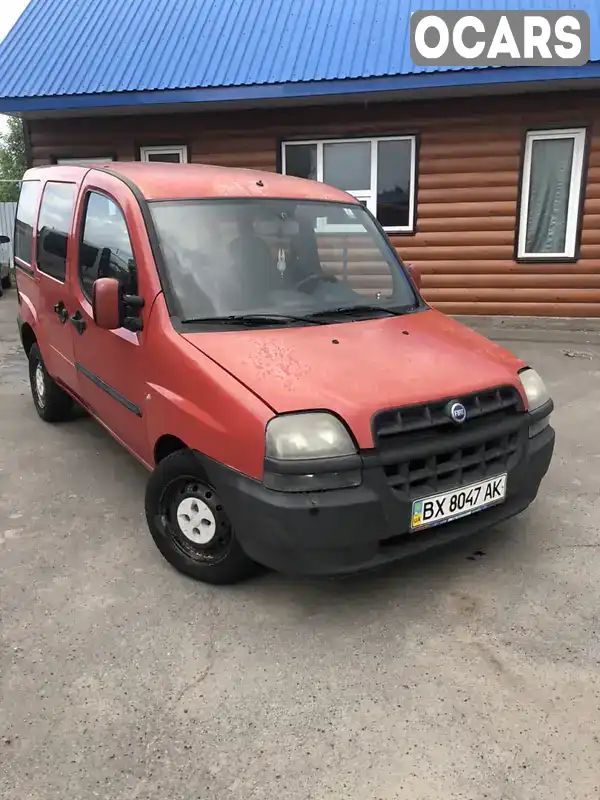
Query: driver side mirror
415	274
4	239
106	304
112	308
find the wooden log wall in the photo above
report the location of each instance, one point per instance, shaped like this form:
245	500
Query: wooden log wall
469	158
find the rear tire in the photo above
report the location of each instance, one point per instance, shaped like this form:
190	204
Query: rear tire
50	401
189	524
6	282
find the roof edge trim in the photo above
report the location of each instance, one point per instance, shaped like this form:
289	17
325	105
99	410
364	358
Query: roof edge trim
349	87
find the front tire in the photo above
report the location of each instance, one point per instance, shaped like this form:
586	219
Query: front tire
189	524
50	401
6	282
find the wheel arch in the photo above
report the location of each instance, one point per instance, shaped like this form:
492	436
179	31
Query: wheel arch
28	337
167	444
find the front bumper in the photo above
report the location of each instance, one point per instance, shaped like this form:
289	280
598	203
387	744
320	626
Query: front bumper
348	530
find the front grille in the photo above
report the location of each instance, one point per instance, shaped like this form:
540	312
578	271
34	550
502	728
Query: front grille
423	451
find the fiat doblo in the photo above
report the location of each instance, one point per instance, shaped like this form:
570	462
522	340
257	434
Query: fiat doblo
256	342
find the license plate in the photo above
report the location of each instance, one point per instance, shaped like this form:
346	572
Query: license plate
440	508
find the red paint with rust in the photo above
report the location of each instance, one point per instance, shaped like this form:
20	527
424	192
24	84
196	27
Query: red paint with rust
373	364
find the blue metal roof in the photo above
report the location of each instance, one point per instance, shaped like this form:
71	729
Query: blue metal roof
76	53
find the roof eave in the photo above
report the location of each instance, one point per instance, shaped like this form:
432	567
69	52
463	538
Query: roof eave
459	79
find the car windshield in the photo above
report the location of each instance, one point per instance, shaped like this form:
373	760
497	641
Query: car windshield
275	256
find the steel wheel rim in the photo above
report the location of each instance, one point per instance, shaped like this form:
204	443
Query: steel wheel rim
40	384
196	520
213	541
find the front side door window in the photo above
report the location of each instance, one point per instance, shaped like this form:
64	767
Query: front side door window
105	249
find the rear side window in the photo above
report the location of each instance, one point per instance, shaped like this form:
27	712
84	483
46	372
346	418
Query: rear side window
28	200
105	250
54	223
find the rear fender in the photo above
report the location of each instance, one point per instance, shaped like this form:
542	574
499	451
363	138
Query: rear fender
28	317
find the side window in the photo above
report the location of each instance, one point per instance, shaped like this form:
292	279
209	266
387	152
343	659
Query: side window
54	223
551	188
379	172
105	250
172	154
28	199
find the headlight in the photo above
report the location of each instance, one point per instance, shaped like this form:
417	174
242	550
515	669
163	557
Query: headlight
537	398
311	435
535	389
310	452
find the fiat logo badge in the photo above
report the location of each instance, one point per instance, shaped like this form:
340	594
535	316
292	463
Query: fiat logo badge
457	412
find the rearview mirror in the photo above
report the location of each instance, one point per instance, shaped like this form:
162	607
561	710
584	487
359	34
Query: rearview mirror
4	239
106	303
276	227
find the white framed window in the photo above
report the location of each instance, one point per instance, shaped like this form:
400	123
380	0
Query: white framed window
172	154
84	160
551	189
379	171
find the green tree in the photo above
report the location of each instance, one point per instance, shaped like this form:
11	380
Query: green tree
13	160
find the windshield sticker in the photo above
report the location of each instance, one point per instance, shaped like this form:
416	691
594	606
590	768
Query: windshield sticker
350	213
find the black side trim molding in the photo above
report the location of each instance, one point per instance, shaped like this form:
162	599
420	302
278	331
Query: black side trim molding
26	270
109	389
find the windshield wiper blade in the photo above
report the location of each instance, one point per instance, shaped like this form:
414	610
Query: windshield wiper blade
254	319
362	309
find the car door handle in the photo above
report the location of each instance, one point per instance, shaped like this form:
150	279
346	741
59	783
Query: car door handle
62	312
78	321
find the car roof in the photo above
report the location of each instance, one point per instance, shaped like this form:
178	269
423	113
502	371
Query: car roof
163	181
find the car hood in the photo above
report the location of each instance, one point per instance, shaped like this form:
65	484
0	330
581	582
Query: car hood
357	368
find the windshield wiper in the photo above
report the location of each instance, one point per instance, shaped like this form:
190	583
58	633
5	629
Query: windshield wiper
362	309
252	320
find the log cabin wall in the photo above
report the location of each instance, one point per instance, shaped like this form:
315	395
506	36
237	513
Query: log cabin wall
469	161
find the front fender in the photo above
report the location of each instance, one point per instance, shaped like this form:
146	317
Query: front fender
226	432
191	397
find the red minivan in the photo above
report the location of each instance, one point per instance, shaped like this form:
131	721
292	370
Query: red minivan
255	341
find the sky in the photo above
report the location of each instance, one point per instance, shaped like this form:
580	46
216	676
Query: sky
10	10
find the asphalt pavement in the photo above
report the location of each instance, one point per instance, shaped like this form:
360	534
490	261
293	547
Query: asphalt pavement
469	672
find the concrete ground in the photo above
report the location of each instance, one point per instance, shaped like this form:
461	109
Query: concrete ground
450	676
